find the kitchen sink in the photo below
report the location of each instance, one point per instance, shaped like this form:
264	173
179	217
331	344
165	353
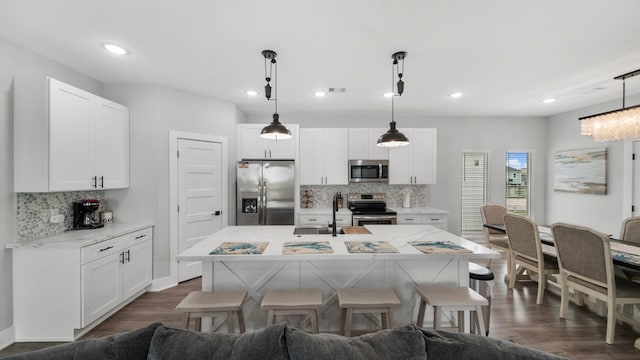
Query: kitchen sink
315	231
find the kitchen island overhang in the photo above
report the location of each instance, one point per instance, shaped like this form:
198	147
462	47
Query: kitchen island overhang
401	270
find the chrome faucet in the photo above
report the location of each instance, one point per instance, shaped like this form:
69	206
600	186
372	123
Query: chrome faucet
335	210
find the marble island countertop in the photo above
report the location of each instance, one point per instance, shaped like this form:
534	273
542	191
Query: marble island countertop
323	211
80	238
396	235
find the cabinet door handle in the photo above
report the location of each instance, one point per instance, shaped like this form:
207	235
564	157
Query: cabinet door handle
269	153
409	219
321	180
122	257
102	182
95	182
128	255
265	153
312	219
107	248
140	236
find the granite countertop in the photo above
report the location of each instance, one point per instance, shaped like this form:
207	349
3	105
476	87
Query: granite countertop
398	236
426	210
80	238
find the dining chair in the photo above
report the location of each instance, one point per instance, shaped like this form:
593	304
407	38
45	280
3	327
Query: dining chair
630	230
526	251
493	214
584	256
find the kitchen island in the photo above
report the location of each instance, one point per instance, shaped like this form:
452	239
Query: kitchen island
401	270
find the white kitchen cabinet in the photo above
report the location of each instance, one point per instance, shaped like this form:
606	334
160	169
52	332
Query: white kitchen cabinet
68	139
322	220
324	156
362	144
62	290
439	221
123	271
417	162
252	146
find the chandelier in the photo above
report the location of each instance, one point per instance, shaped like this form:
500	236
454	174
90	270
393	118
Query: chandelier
614	125
394	138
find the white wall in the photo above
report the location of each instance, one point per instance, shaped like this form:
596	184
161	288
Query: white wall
155	110
17	61
456	134
600	212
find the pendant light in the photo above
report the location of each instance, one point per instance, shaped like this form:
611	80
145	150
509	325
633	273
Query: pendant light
394	138
275	130
617	124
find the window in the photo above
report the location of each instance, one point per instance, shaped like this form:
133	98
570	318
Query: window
519	176
473	191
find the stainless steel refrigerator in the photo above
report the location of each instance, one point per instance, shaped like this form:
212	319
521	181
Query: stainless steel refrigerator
265	192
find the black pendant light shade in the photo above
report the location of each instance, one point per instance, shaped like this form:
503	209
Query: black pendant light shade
275	130
394	138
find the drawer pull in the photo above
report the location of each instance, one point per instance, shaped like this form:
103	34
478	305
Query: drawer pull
122	257
107	248
436	219
140	236
409	219
313	219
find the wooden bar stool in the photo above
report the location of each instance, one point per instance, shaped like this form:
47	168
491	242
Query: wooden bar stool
458	299
366	301
199	304
293	302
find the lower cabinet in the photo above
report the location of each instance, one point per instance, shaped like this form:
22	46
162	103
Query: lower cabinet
115	277
439	221
60	292
322	220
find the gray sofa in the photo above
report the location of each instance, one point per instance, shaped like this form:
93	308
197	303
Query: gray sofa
157	342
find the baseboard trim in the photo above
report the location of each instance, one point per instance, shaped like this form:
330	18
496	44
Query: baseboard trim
7	337
163	284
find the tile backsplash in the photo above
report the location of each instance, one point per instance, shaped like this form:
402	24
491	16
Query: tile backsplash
35	209
322	194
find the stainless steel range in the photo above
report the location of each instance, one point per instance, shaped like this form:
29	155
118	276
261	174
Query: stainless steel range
369	209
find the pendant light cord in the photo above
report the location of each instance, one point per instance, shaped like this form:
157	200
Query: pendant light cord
276	84
393	89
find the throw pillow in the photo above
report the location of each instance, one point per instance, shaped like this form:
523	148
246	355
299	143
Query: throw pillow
399	343
171	344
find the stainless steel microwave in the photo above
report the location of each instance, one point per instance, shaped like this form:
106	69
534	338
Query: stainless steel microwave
368	171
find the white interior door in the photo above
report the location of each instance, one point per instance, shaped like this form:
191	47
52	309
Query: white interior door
199	197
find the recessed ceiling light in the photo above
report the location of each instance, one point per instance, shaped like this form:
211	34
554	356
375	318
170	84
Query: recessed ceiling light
115	49
251	93
319	93
388	94
456	95
549	100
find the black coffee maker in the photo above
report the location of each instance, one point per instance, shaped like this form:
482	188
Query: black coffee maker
85	214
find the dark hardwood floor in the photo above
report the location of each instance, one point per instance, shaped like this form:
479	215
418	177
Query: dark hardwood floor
514	317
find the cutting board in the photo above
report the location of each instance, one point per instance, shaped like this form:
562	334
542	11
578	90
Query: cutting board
355	230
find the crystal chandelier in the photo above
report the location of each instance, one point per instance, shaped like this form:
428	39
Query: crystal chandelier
614	125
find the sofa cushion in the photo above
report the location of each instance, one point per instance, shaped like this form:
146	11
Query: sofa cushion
131	345
443	345
171	344
399	343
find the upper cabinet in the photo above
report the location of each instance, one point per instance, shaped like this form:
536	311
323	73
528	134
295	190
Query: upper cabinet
417	162
362	144
324	156
252	146
68	139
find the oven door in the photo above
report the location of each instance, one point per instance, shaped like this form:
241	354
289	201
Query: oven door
360	220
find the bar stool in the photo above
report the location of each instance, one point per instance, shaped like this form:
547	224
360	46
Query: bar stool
458	299
366	301
480	277
199	304
293	302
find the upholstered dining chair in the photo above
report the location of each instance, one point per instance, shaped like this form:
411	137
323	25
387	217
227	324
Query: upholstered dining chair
630	230
526	251
584	256
493	214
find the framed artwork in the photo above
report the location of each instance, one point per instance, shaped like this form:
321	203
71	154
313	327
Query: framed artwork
582	171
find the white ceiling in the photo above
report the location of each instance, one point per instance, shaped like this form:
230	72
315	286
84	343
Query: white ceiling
506	55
